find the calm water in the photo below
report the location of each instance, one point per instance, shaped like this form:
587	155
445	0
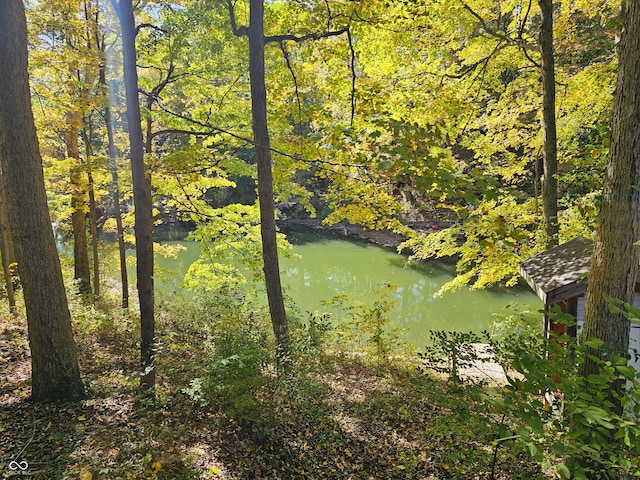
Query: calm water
325	267
332	266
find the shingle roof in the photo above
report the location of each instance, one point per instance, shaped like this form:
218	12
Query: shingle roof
560	272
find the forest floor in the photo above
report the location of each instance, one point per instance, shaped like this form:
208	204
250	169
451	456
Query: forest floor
341	417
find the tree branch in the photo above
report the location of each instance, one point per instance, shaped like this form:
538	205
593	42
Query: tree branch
238	32
524	20
484	24
518	42
149	25
287	60
180	131
466	70
353	76
304	38
211	130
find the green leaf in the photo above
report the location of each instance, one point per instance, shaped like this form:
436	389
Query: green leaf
471	197
564	471
579	474
531	448
533	421
594	343
597	379
628	372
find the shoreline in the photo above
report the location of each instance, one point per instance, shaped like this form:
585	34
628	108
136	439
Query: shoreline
382	238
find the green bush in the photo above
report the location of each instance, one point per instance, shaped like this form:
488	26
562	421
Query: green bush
451	351
514	330
568	423
365	328
579	432
310	334
242	348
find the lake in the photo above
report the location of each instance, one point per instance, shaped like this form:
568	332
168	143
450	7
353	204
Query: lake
326	266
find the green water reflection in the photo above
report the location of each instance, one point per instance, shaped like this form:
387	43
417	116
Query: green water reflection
331	266
325	267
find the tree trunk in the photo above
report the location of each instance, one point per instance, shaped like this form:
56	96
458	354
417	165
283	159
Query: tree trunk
91	18
93	225
93	228
117	211
115	189
78	204
614	264
55	372
141	198
265	183
7	251
550	153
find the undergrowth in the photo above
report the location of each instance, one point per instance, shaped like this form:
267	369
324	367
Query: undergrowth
222	412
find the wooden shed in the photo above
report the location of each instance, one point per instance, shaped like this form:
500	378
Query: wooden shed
559	276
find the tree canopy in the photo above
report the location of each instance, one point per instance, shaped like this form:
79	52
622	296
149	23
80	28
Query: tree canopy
381	113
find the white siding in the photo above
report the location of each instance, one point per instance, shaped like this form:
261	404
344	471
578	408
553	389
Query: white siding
634	334
580	314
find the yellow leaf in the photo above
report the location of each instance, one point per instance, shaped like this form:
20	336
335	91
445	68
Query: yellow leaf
82	418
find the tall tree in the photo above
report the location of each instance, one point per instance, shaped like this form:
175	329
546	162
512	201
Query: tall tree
141	197
614	264
262	146
91	17
550	146
68	55
55	371
78	202
115	188
265	180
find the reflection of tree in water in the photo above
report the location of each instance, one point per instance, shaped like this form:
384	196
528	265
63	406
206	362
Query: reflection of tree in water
338	267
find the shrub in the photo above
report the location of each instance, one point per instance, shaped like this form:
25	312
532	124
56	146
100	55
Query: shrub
450	352
242	348
366	328
576	428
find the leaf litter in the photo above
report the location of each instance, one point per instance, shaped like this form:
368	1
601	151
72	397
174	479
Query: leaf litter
343	419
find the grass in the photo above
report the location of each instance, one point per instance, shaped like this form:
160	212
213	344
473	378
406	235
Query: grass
341	416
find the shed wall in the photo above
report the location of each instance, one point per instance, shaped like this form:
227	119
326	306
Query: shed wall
634	334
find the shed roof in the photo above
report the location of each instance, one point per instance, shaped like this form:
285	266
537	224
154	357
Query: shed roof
559	273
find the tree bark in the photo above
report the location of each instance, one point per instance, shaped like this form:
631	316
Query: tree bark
550	153
117	211
614	264
55	372
7	251
265	183
91	67
141	198
93	228
78	204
